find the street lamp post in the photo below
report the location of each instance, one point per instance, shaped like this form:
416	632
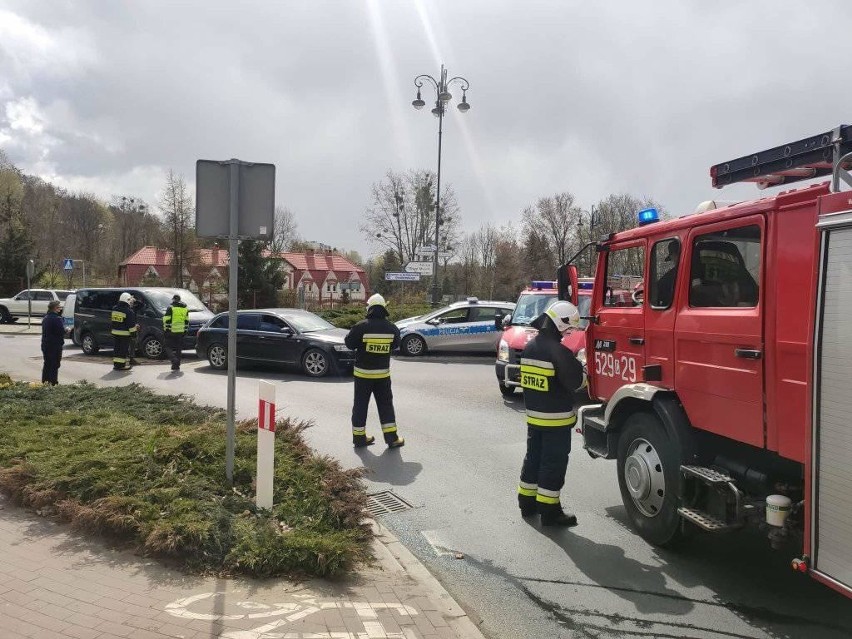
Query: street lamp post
443	96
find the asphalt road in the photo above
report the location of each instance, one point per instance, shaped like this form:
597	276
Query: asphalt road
459	471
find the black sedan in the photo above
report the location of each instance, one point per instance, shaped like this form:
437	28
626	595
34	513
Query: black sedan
287	336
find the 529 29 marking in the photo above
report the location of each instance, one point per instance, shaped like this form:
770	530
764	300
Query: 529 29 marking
621	367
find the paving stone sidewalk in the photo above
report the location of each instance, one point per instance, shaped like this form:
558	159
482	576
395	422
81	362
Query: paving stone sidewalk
55	583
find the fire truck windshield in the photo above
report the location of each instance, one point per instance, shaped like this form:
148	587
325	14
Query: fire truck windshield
530	306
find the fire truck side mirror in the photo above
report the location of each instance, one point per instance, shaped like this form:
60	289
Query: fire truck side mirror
574	280
567	283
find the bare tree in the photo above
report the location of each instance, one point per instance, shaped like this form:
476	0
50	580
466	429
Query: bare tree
486	239
469	254
555	219
85	219
177	208
284	233
401	216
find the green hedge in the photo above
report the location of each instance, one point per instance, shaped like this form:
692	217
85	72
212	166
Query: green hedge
149	469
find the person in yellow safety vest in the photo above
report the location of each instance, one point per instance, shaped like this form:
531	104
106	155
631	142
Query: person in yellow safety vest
123	327
175	322
550	374
373	339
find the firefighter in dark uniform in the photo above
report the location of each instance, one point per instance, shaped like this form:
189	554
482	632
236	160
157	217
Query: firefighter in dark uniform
550	374
373	339
123	327
174	326
52	341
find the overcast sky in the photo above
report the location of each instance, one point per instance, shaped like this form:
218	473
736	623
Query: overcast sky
589	97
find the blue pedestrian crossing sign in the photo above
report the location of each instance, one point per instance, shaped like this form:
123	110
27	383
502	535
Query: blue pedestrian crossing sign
67	264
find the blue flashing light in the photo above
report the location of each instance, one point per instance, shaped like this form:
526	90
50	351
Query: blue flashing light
540	284
585	286
648	216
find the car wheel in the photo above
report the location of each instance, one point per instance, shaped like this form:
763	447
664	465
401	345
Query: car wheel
506	391
217	355
315	362
88	344
649	479
153	347
413	345
5	316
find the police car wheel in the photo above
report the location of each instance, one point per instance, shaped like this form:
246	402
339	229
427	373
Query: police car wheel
217	355
88	344
413	345
315	363
649	477
5	316
153	348
506	390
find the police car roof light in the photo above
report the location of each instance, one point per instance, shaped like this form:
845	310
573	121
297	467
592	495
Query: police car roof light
648	216
539	284
473	300
587	286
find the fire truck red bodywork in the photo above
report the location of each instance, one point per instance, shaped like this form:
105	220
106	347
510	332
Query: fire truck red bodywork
760	404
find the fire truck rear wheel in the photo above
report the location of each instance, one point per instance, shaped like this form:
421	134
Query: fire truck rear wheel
649	477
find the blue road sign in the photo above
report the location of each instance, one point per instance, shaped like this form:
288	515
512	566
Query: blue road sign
67	264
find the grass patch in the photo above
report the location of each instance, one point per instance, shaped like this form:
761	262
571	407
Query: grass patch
150	470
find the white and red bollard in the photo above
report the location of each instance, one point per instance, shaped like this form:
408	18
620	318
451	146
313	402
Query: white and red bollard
265	444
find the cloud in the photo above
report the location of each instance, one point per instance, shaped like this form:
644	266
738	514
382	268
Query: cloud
588	97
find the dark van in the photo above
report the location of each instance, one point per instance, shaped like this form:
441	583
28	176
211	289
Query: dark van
93	309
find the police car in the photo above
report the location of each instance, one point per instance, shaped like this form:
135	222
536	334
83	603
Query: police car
472	325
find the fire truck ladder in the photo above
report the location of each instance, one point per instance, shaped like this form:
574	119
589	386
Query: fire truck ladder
828	153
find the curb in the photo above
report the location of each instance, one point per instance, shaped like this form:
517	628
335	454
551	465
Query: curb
402	559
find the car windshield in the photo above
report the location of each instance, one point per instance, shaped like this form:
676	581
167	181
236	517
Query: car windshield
162	298
530	306
308	322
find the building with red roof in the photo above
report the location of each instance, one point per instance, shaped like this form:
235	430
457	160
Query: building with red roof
319	276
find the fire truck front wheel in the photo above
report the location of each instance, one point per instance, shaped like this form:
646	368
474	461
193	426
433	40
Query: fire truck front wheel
649	476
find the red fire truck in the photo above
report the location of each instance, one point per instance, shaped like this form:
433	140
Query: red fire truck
725	384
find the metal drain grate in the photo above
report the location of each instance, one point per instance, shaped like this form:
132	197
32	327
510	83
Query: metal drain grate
386	502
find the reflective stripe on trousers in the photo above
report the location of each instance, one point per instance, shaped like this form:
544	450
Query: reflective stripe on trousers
367	373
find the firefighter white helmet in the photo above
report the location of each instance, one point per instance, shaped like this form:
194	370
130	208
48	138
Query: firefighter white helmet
376	300
564	315
125	297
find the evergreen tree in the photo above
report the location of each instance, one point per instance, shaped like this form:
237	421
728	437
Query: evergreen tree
260	276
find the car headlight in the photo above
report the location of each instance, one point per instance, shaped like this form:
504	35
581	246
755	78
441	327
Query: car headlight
581	356
503	351
342	348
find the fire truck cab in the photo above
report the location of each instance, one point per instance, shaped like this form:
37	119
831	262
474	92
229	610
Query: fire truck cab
725	382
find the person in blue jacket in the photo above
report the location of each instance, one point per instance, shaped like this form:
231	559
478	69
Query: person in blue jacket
52	341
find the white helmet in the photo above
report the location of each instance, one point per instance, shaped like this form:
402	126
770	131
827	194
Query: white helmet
125	297
376	300
564	315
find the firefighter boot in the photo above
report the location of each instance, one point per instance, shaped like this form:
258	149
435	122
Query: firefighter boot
527	505
553	515
362	441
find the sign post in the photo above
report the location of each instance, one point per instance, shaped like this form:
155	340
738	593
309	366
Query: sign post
233	200
68	267
265	444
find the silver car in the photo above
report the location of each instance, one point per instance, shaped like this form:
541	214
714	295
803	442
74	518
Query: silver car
471	325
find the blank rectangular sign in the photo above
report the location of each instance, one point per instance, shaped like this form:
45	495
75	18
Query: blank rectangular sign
256	209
